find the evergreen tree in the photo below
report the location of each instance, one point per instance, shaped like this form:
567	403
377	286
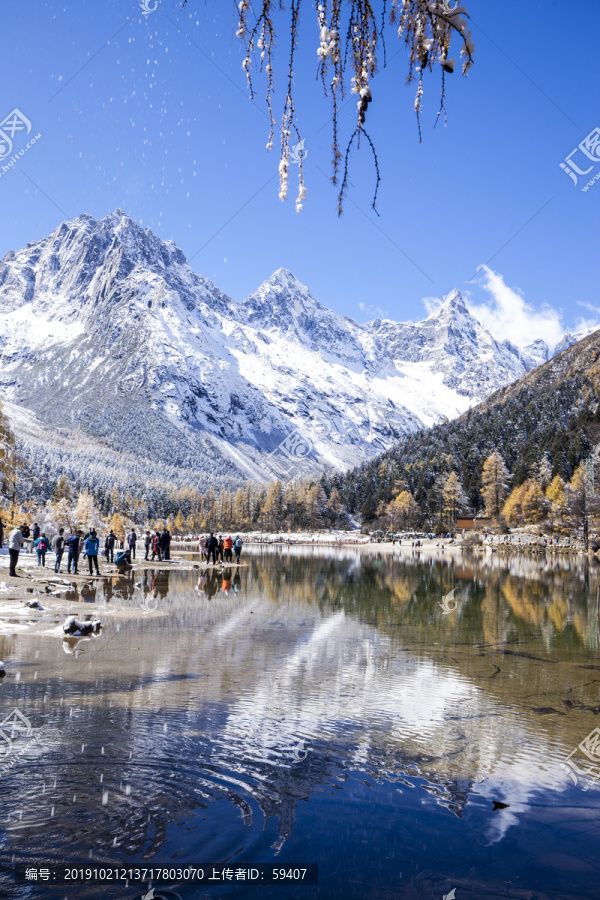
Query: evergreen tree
63	491
454	498
513	507
556	494
579	497
495	480
403	510
544	472
534	504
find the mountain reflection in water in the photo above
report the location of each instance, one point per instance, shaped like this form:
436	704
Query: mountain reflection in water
315	706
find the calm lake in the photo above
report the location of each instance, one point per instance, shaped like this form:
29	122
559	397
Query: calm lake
315	706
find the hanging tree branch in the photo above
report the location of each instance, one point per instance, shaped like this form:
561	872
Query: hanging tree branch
427	27
344	186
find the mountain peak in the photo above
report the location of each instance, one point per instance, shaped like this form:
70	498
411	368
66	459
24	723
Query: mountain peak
285	307
536	353
284	278
108	303
455	300
116	216
120	221
280	294
569	338
453	307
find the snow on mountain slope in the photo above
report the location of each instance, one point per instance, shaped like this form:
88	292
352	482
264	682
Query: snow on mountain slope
453	344
535	354
105	330
569	338
284	307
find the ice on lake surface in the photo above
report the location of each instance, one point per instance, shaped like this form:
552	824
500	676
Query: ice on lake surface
317	706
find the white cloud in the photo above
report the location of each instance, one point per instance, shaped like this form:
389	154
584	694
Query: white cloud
431	304
371	310
509	317
589	306
588	324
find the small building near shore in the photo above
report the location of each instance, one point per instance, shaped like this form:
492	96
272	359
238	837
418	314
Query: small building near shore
464	524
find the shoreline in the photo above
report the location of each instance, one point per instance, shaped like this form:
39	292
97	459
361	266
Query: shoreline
515	543
62	594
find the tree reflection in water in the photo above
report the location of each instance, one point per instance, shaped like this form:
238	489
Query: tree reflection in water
186	723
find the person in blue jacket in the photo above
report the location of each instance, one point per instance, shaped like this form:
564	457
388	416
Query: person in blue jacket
41	545
237	546
90	548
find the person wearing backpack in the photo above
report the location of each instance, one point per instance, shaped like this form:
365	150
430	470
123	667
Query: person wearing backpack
41	547
90	548
24	529
212	546
109	546
59	548
123	561
131	542
237	546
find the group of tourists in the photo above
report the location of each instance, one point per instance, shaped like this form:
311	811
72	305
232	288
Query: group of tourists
129	542
221	548
75	544
158	544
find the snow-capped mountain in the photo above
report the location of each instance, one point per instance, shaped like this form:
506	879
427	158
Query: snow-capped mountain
572	337
105	331
451	343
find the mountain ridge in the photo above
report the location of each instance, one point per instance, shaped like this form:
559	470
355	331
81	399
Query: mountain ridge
105	330
552	413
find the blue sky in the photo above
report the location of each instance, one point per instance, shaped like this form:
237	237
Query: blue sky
151	114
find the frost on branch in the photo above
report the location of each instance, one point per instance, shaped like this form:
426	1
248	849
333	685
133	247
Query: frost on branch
349	36
428	27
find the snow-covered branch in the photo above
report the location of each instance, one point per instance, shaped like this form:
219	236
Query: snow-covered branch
350	34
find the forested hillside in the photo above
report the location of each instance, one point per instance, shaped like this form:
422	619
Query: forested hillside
551	414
